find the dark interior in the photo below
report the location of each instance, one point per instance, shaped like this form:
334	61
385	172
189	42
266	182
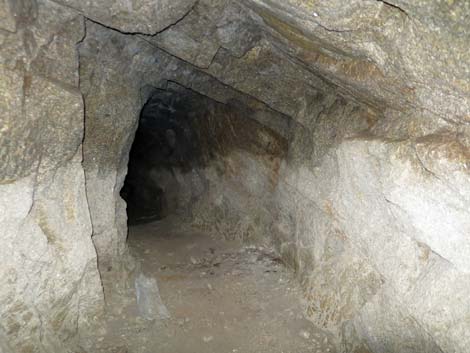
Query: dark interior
164	142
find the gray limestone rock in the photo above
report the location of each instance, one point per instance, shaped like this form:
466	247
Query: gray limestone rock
132	16
336	130
49	276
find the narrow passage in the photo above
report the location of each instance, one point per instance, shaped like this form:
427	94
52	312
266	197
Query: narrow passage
213	296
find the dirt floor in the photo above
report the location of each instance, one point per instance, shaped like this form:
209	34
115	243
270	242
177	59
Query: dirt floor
210	296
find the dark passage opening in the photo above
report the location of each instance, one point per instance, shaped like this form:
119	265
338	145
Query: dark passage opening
165	146
211	169
203	161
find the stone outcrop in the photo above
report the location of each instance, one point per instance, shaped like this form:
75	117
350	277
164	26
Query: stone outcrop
343	138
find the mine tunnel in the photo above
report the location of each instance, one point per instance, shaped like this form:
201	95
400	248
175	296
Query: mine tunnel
165	144
234	176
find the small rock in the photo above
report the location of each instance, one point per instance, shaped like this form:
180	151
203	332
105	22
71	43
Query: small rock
304	334
207	339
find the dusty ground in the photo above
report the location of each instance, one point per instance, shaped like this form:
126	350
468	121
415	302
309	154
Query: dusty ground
222	297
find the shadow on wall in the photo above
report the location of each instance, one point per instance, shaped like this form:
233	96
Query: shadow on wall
164	146
207	161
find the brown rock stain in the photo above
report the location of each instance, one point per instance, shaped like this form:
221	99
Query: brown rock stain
371	117
27	82
362	349
329	209
447	146
43	223
294	35
69	207
275	169
425	251
312	52
170	278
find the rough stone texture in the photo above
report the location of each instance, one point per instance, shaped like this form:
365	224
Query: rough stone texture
7	19
109	130
220	169
211	26
132	16
49	290
241	161
50	285
125	85
384	51
370	204
385	202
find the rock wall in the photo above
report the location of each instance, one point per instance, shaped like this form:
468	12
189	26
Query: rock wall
49	280
370	193
368	201
229	190
368	228
118	75
112	100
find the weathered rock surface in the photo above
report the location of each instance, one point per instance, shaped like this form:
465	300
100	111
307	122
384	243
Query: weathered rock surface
403	54
49	263
126	85
348	149
50	285
132	16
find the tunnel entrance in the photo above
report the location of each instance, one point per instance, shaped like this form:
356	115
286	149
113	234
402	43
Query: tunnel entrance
212	164
336	133
165	148
200	180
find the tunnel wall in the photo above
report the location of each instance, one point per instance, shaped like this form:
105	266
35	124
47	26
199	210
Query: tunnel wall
49	281
51	292
218	159
112	100
114	97
228	191
358	209
366	225
371	205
